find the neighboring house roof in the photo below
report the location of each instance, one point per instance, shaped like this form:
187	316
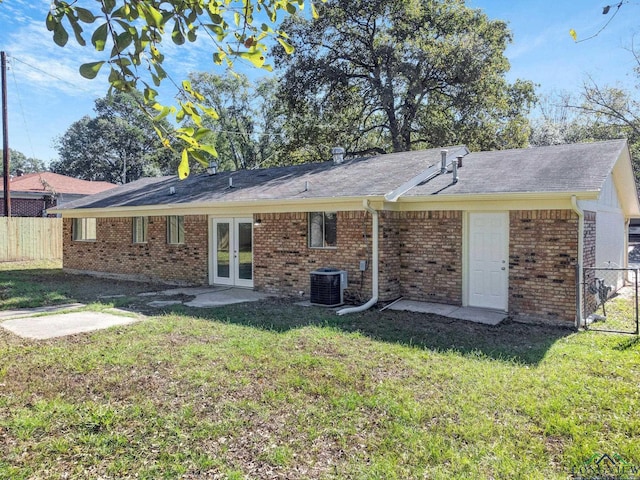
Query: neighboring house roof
49	182
577	169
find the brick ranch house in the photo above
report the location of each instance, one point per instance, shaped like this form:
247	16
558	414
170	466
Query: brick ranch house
32	194
503	230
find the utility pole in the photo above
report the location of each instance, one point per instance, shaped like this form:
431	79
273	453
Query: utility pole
5	135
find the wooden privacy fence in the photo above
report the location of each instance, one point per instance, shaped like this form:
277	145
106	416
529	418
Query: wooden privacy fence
30	238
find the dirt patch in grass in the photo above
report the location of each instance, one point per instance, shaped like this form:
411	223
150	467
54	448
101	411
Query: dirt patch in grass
509	340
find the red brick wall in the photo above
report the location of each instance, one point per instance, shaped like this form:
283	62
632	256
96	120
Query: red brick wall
283	261
589	260
27	207
543	250
420	255
390	258
114	252
431	256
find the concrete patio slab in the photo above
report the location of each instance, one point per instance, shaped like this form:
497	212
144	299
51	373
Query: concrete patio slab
471	314
220	296
61	325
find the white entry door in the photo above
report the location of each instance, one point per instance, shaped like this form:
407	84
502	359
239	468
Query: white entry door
233	251
488	276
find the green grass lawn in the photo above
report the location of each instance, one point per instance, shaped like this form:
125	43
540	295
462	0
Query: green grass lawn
273	390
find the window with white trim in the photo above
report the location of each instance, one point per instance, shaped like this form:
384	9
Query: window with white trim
140	226
84	229
175	229
322	229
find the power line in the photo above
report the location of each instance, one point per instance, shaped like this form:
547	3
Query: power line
49	74
24	117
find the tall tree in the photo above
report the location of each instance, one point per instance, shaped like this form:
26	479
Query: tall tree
19	161
414	73
119	145
248	131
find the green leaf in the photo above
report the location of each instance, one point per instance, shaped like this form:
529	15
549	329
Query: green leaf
51	22
218	57
150	94
99	37
90	70
123	41
200	133
189	131
109	5
164	112
198	156
176	35
210	149
211	112
60	35
160	71
77	31
85	15
183	168
152	16
256	57
288	48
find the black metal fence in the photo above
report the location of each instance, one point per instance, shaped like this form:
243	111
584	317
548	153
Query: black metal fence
610	299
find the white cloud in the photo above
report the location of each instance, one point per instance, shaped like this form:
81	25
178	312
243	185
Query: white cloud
44	66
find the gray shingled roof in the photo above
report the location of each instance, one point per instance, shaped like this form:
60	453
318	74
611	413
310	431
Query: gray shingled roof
561	168
579	167
371	176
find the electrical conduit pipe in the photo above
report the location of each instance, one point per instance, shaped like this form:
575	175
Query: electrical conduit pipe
374	264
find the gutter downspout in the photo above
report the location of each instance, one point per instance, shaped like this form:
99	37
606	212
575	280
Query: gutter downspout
374	264
580	272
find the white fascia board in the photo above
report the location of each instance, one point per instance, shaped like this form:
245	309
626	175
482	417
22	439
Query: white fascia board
224	208
490	201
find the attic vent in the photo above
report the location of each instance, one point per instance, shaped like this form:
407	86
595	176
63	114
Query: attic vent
338	155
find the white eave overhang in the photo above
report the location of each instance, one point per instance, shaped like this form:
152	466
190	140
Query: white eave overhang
488	201
225	208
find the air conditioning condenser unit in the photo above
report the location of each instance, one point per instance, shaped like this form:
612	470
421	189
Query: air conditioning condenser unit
327	287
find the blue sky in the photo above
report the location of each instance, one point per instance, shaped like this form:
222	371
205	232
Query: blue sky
46	93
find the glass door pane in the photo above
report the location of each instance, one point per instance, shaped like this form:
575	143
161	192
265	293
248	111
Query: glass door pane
245	250
223	250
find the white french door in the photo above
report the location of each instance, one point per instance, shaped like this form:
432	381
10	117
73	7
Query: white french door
232	245
488	247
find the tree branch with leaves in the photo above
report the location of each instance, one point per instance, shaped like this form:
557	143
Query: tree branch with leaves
129	37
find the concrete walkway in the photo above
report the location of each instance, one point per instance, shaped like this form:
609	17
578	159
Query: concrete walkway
471	314
206	296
